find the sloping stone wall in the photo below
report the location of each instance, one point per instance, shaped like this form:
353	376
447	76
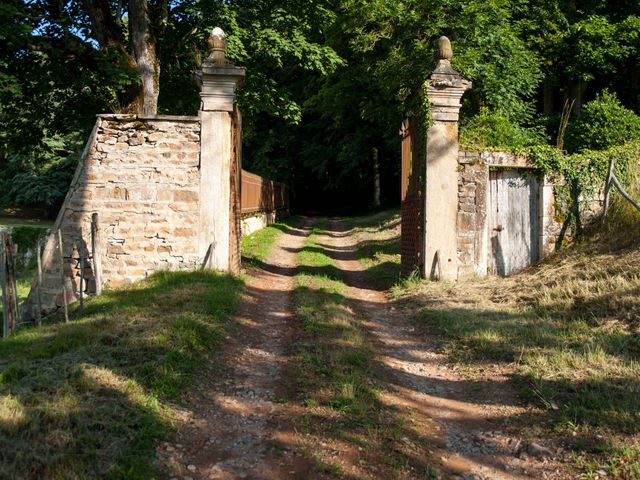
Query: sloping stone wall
141	175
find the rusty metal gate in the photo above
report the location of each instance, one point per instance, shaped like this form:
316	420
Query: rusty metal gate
411	198
235	232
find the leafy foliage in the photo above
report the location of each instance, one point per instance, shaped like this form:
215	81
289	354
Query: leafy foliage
604	123
493	129
327	81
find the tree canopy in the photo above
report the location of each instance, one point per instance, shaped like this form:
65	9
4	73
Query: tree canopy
328	81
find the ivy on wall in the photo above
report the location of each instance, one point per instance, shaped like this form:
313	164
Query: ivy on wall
582	175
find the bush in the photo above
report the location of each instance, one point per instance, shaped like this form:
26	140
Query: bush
493	129
604	123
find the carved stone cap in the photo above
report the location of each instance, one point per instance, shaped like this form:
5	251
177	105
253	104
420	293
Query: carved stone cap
444	75
217	71
444	49
217	48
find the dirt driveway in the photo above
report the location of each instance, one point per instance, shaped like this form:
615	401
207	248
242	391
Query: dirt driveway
242	422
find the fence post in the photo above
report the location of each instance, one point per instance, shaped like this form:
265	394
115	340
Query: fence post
3	286
95	253
8	284
14	284
607	190
39	284
81	284
62	277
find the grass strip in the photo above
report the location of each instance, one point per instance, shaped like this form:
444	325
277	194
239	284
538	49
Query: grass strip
379	245
339	383
90	398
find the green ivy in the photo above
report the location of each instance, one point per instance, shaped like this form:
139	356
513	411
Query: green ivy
582	174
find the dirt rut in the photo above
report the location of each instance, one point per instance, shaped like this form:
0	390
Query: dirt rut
471	427
231	423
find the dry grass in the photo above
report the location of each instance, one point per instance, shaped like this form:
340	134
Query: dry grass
568	330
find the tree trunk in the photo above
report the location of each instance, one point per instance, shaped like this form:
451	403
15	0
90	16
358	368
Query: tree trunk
376	177
145	54
108	32
105	28
576	92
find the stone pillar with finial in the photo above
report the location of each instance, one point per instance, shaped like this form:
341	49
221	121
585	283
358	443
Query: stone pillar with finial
219	80
444	90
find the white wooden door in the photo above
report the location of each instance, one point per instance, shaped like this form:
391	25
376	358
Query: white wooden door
513	220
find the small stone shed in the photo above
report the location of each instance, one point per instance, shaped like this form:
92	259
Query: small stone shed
506	214
467	214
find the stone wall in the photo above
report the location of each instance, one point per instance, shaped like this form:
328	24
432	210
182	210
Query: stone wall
253	222
141	176
473	181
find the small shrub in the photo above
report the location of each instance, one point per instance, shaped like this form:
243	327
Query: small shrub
604	123
493	129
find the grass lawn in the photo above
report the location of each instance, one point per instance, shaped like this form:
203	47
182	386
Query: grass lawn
89	399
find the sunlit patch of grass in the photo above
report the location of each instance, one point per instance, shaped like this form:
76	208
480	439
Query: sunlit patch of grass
89	399
378	248
257	246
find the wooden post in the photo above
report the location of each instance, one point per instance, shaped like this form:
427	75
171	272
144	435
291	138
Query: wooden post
39	284
622	192
95	253
81	284
607	191
62	277
8	284
4	286
14	286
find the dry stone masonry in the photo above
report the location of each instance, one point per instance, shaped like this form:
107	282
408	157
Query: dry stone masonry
164	190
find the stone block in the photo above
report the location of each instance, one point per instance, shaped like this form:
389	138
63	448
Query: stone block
186	196
184	232
115	249
466	222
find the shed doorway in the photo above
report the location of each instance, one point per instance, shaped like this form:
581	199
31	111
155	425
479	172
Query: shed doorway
513	220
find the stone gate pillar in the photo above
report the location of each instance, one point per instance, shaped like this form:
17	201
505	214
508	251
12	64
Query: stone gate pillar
444	89
218	156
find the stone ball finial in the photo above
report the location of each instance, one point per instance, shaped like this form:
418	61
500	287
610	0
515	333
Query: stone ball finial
444	49
217	47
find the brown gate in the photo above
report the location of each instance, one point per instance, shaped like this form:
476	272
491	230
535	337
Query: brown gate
411	197
235	207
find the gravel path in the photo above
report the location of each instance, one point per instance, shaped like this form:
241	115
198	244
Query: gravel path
234	426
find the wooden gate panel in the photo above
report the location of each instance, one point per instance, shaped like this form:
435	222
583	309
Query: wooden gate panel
513	220
411	198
